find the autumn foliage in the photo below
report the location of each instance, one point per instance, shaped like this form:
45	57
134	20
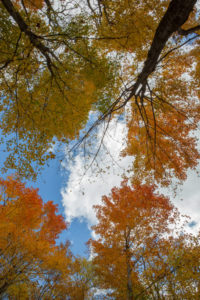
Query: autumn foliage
137	253
66	66
31	4
28	232
136	58
161	85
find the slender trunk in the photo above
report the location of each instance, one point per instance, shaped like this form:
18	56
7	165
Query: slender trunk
129	281
128	265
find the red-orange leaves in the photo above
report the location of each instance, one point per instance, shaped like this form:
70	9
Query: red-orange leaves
132	223
52	224
23	208
161	138
28	231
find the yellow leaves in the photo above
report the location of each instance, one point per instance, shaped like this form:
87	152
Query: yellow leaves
62	68
32	4
131	24
48	94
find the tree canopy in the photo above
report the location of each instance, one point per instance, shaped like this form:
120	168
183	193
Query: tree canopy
140	250
63	60
30	260
66	66
51	77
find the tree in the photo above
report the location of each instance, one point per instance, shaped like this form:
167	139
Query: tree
57	65
184	282
160	81
28	232
132	225
83	279
51	76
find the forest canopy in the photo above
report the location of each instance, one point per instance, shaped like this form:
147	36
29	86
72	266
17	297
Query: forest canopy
67	70
140	249
64	60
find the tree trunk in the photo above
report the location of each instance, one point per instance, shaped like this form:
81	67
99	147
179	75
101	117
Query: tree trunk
129	281
175	16
128	265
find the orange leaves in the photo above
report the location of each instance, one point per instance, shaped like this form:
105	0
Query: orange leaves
31	4
130	207
131	221
28	232
162	139
28	222
24	208
52	224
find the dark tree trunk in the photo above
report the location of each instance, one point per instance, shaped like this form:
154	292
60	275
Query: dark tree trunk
175	16
34	39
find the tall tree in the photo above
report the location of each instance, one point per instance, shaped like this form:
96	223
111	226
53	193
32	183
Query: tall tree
57	64
28	232
132	223
159	45
51	76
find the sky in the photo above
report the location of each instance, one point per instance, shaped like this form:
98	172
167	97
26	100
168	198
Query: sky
50	184
76	191
80	193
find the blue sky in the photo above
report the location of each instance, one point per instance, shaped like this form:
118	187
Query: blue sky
80	193
50	183
76	194
74	197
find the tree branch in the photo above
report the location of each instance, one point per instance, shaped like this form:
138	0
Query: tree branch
188	31
34	39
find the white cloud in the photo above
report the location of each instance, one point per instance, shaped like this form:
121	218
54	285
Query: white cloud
84	191
198	5
187	200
